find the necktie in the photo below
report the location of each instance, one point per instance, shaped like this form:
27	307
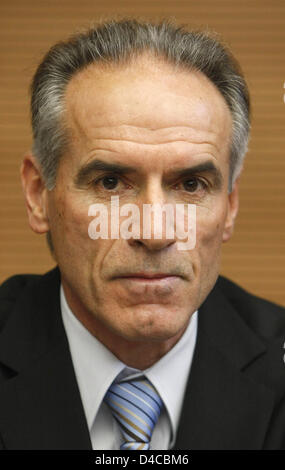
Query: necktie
136	406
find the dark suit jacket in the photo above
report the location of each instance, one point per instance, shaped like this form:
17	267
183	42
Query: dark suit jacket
235	397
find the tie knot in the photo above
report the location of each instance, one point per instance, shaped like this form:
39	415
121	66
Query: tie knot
136	406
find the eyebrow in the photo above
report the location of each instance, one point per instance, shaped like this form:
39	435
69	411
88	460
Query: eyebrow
205	167
86	171
99	165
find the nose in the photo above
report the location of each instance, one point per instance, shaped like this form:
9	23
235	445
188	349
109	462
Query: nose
156	219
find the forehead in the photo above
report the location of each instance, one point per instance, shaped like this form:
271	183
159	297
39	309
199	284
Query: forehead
147	101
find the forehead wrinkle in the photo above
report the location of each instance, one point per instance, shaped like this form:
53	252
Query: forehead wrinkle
94	140
118	146
155	144
143	133
124	147
107	139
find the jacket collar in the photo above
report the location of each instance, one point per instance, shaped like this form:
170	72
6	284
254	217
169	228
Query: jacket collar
40	406
224	408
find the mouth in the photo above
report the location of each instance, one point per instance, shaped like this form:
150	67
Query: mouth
144	275
149	286
149	278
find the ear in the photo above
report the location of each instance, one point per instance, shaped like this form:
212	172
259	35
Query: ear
35	193
232	210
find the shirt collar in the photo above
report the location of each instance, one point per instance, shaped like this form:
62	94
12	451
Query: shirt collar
96	367
169	375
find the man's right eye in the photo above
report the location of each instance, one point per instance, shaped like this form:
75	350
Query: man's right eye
109	182
106	182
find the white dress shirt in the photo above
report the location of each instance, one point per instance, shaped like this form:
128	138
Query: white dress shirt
96	367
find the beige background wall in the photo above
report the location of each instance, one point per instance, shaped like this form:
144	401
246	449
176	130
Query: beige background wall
255	30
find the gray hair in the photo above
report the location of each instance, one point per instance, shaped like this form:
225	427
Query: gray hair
117	42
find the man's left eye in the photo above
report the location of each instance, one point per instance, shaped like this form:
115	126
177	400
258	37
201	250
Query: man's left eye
192	184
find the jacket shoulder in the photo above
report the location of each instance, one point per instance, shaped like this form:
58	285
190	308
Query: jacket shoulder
11	290
265	317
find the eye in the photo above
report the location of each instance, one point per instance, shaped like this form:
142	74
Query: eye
110	182
194	184
191	185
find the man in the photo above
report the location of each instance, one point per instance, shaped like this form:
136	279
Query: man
131	342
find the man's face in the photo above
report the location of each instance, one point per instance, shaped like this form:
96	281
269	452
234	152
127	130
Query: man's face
161	123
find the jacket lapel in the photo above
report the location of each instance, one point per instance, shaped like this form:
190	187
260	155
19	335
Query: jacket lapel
224	408
40	405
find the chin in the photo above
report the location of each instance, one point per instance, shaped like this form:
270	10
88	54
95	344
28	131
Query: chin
157	326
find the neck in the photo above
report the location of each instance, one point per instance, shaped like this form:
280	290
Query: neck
139	354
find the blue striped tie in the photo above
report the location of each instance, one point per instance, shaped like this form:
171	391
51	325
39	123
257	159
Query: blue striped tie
136	406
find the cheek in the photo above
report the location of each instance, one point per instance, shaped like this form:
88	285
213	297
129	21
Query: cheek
73	245
209	231
69	226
